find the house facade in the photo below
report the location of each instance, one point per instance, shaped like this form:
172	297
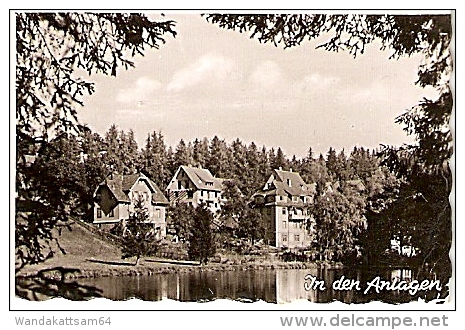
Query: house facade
283	202
114	201
194	185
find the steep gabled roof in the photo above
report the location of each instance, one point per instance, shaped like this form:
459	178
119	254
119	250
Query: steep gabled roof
158	197
120	186
291	183
286	183
115	183
129	180
202	178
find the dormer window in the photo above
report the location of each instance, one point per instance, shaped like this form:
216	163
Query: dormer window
209	183
289	183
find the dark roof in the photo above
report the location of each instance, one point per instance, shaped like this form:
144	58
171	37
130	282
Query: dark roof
115	183
120	185
202	178
129	180
285	183
158	197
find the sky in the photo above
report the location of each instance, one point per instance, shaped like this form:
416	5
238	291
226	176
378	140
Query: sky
208	81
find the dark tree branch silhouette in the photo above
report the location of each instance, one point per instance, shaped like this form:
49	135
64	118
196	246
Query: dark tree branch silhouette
53	52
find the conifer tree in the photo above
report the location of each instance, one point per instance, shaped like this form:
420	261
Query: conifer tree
202	244
219	161
139	237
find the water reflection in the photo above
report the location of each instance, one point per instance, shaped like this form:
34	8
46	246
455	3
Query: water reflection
194	286
274	286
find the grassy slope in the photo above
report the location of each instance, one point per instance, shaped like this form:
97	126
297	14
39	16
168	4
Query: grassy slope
81	245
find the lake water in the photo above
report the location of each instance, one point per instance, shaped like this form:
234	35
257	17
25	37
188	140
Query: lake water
273	286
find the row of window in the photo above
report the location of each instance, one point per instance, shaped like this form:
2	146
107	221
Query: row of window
280	198
216	194
295	225
111	214
284	211
295	211
137	194
190	194
209	203
296	238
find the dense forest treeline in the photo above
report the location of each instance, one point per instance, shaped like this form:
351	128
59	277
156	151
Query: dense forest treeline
374	197
90	157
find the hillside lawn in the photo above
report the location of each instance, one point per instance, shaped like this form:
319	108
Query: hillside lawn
92	255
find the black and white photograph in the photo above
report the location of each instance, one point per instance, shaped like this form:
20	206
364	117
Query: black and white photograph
258	158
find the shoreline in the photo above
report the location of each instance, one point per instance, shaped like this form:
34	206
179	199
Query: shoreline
157	267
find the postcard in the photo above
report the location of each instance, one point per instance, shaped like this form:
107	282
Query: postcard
258	160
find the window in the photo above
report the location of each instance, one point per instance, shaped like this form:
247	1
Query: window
284	224
176	194
146	196
179	185
190	194
216	194
99	212
284	238
111	214
201	193
157	213
284	210
289	182
216	205
135	195
296	238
